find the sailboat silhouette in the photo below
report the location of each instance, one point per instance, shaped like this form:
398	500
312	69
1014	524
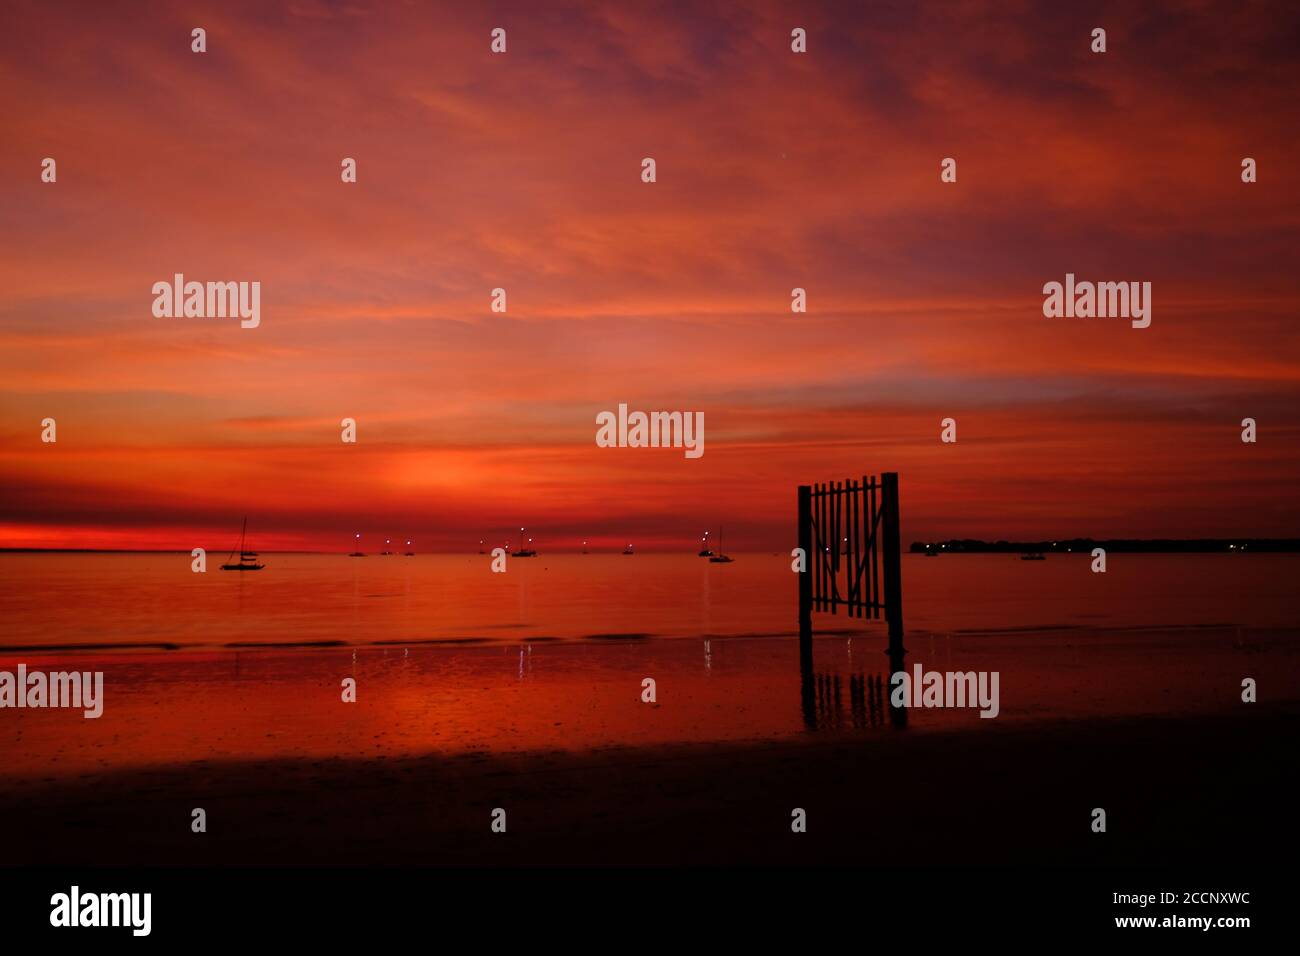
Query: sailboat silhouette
247	559
720	557
525	552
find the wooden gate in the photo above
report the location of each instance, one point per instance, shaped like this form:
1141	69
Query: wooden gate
848	532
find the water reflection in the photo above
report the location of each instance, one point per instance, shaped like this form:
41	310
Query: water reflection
822	699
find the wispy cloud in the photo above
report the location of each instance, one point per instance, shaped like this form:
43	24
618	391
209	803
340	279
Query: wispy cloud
775	171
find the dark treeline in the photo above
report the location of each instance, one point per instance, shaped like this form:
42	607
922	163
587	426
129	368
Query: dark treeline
1151	545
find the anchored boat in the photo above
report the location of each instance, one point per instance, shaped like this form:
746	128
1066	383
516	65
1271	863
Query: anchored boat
720	557
247	559
705	551
525	552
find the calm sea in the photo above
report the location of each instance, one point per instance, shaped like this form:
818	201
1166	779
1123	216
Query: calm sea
56	600
449	657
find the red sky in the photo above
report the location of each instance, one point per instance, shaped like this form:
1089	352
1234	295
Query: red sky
522	171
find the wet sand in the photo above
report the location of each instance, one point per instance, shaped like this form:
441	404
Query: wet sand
1148	725
269	705
1176	790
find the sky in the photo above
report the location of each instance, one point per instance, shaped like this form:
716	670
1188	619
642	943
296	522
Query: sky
522	171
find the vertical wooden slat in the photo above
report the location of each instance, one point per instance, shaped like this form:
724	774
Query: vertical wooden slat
892	554
804	540
864	547
832	531
828	582
818	504
890	548
840	522
851	530
858	545
844	535
819	523
867	544
844	560
812	551
834	504
875	556
839	536
856	537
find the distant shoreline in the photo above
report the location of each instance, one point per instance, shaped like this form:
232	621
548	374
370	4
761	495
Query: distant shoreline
949	546
1119	545
132	551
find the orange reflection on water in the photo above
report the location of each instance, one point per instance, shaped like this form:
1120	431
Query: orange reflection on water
196	707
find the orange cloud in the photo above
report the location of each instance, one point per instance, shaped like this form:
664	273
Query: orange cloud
776	170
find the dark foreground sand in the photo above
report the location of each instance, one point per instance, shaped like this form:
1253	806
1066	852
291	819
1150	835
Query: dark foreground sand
1176	790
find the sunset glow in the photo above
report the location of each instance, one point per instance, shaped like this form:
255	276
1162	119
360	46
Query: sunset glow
522	172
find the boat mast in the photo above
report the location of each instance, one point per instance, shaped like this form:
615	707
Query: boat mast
241	542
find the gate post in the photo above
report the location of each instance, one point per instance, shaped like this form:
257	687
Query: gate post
893	573
805	539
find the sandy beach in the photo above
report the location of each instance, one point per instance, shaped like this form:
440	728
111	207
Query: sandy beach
1176	790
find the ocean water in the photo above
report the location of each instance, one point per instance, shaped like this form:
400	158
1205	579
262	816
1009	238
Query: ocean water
553	655
54	601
